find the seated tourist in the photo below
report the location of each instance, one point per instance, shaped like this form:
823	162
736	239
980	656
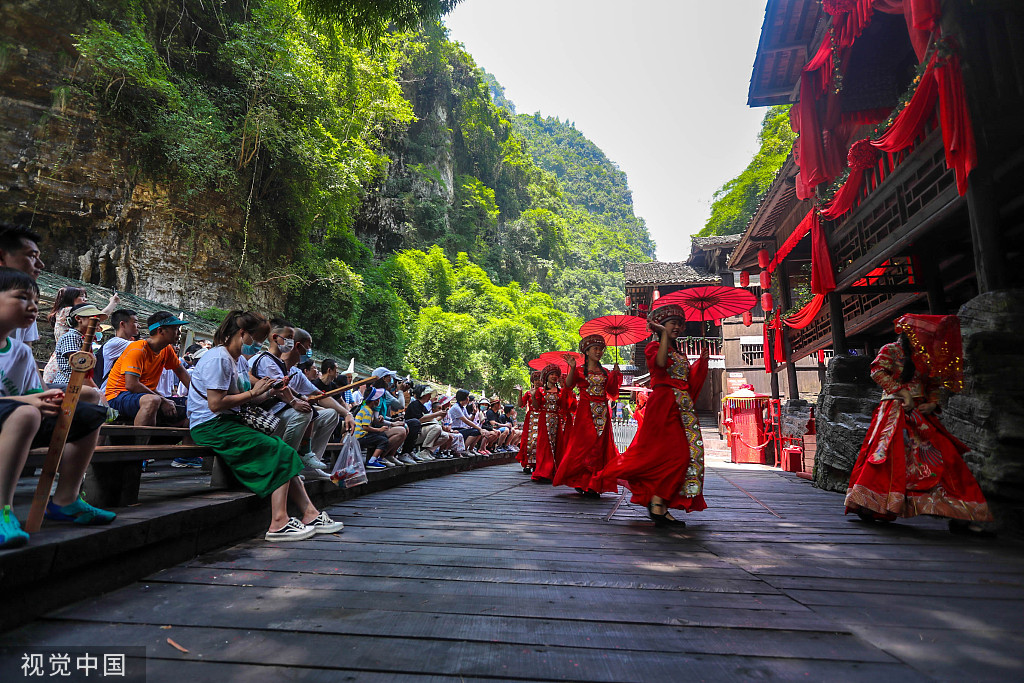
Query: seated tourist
264	464
371	432
28	416
19	249
421	410
135	377
461	423
58	317
126	330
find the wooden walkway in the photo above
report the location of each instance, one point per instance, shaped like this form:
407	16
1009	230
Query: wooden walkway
485	575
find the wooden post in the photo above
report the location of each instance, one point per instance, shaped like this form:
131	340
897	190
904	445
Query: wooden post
81	361
928	272
785	301
835	314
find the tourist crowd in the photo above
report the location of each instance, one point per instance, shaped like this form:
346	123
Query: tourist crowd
253	395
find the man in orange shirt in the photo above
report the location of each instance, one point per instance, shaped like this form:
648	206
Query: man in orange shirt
132	383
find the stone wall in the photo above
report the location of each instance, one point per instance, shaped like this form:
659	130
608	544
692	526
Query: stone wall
844	410
67	172
988	415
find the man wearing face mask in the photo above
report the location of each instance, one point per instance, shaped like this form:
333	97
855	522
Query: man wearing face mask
294	412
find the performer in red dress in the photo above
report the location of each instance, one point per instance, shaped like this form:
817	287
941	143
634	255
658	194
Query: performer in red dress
589	445
909	463
551	410
638	414
664	466
528	441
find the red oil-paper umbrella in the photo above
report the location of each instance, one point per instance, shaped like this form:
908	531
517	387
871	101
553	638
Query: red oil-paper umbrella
710	303
560	358
618	330
538	364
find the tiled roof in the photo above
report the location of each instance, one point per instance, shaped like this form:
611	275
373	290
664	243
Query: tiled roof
703	243
659	272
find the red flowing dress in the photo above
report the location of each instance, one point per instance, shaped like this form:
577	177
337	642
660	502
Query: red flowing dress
666	458
909	463
590	445
551	413
528	441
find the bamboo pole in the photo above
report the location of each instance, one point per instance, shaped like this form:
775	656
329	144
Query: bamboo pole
81	361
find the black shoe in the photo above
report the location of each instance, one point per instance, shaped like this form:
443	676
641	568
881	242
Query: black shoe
966	528
580	491
664	520
526	470
591	493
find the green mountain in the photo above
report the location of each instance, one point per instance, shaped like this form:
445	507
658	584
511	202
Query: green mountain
374	196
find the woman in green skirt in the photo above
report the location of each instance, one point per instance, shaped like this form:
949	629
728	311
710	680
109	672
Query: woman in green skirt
264	464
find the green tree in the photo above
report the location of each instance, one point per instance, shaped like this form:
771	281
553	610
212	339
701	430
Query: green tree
735	202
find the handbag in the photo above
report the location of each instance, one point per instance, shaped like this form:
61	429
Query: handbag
259	419
349	466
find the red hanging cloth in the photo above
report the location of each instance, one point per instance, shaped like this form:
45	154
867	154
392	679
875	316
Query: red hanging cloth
823	279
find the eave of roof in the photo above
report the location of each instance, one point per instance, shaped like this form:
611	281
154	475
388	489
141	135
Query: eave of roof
776	203
789	28
667	273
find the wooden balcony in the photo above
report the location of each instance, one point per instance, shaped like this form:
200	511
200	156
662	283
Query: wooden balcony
905	196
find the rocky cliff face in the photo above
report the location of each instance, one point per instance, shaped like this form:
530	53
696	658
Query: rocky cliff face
66	171
844	410
988	415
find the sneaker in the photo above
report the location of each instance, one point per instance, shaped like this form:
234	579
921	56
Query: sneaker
325	525
310	460
78	512
407	459
11	533
392	461
194	463
374	464
294	530
313	474
425	454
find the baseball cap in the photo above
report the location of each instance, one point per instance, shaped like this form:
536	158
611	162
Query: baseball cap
163	319
87	311
382	372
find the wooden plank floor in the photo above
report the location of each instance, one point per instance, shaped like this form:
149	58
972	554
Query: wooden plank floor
484	575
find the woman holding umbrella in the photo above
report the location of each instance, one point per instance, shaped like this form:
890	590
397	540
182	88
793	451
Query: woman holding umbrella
551	409
664	466
589	443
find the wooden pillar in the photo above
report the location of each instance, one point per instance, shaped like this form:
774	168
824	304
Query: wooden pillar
785	302
989	254
927	270
835	314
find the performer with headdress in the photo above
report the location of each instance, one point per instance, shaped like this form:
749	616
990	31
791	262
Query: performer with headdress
909	463
664	466
551	411
528	441
589	444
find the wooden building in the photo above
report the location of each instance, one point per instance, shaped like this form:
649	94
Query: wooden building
905	185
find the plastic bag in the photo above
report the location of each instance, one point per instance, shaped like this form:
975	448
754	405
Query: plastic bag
349	466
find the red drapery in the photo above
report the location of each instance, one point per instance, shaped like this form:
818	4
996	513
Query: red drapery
820	126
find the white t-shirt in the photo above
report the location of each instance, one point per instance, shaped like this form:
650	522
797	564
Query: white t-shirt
266	365
18	373
112	350
215	370
454	413
26	334
300	384
165	387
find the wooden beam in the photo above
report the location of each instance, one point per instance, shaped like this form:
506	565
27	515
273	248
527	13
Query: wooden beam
835	314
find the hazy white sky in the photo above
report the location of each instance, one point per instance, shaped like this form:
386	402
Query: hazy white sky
659	85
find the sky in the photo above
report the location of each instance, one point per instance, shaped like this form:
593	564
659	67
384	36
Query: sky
659	85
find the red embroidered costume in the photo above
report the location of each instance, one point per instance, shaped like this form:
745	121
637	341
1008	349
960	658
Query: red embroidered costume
551	411
528	441
909	463
589	444
666	458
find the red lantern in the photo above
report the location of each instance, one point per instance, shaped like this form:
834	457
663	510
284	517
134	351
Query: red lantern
627	301
745	278
748	318
657	295
766	279
718	322
766	302
763	258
